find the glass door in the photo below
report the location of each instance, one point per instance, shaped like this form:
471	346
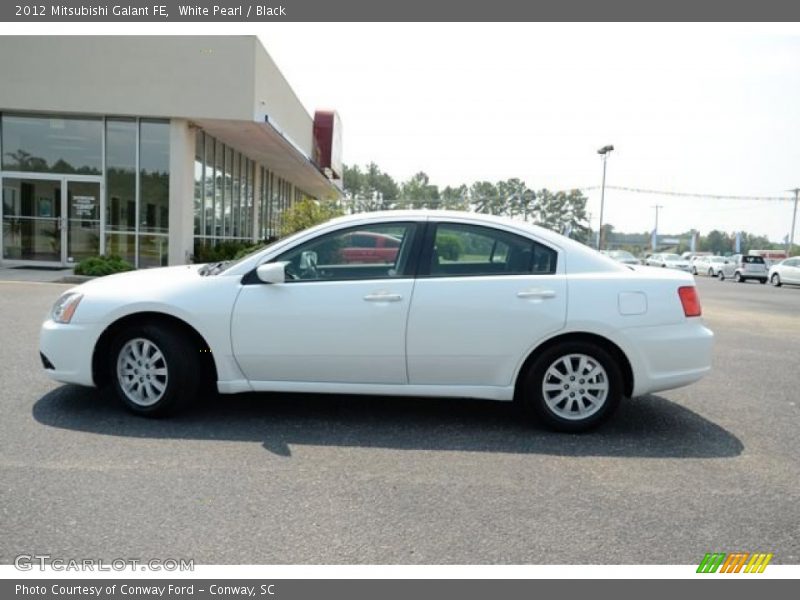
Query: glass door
32	223
83	220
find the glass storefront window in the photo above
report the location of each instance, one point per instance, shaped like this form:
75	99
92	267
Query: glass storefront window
54	144
199	192
120	175
153	250
153	177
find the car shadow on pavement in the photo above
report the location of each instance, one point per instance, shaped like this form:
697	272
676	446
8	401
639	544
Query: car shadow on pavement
651	426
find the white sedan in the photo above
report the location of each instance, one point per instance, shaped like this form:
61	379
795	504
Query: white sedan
468	306
786	271
667	260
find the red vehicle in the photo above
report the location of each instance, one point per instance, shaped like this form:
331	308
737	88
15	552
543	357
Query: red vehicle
366	247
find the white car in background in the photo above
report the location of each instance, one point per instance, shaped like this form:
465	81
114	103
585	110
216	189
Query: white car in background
469	306
670	261
708	265
786	271
622	256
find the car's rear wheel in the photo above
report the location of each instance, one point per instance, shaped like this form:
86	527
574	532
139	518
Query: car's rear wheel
572	387
154	370
711	272
694	270
776	280
721	275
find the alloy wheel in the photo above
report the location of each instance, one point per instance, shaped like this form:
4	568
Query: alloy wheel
142	372
575	386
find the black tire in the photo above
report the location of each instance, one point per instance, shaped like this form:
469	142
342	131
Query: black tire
762	281
532	396
180	361
711	272
776	280
694	270
737	277
721	275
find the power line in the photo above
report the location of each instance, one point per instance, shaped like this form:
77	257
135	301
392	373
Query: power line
689	194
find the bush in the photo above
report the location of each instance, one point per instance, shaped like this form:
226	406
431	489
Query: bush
449	246
208	253
97	266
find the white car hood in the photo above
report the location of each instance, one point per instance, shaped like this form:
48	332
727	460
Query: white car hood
134	282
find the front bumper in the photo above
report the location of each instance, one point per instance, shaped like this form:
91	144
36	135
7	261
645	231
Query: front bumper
68	348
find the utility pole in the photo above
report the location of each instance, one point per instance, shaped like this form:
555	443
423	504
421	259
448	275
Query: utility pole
604	153
654	241
790	242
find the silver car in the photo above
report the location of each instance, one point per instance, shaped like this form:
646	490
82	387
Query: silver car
708	265
786	271
740	268
667	260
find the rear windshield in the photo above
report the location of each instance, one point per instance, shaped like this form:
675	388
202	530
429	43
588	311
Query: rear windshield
753	260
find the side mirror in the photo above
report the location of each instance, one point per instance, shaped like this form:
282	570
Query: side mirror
272	272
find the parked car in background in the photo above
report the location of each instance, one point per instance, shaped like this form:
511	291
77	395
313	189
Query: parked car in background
786	271
671	261
500	310
707	265
368	247
622	256
742	268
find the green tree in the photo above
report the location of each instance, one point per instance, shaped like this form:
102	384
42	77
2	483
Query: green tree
485	198
455	198
561	211
717	242
307	213
419	192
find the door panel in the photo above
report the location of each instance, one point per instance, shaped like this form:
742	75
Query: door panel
327	331
474	330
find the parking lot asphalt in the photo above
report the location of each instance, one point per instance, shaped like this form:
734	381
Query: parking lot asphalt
288	479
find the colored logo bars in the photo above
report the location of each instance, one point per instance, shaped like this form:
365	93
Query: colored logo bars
734	563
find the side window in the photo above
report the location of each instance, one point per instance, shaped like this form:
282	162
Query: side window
471	250
352	254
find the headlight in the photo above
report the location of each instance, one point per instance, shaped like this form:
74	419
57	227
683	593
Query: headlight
65	307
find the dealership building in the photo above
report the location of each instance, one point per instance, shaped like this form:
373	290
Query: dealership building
149	147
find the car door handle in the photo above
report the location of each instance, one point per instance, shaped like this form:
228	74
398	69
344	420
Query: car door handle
536	294
383	297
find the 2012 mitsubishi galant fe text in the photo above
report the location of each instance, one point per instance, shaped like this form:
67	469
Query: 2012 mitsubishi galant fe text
467	306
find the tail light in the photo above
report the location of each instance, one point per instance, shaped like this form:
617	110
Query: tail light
690	301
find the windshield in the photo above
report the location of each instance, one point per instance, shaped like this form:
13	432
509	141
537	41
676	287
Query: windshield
670	257
622	254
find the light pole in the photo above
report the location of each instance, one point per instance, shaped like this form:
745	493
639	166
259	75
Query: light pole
790	242
604	153
654	241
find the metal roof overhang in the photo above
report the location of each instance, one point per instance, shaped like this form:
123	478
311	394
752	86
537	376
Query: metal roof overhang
264	143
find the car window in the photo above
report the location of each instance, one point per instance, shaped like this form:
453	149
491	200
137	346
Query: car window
354	253
753	260
471	250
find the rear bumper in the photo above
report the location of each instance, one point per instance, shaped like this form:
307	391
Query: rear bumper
68	349
669	356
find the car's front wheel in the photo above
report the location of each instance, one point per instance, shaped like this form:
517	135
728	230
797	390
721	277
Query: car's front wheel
572	387
737	277
711	272
154	370
776	280
694	270
721	275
